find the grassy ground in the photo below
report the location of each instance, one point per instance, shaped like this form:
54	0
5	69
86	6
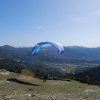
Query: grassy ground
17	87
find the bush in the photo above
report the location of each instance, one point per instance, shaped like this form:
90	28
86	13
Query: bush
96	83
12	70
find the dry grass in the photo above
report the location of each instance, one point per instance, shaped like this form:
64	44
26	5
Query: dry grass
26	72
18	87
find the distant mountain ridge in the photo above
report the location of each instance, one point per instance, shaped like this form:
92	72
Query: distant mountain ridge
50	54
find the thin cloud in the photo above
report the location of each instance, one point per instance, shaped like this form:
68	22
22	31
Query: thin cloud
76	19
93	14
39	27
87	17
97	12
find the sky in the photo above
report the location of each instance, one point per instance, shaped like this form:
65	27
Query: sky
24	23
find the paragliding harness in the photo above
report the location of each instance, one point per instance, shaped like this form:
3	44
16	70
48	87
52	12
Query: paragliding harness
45	77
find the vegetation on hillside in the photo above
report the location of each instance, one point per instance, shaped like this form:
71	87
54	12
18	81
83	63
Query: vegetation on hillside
18	87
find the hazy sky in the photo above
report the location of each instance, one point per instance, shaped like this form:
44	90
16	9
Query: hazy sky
69	22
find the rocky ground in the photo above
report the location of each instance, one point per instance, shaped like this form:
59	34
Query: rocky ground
17	87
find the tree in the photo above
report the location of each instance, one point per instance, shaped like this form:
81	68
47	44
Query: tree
86	79
73	77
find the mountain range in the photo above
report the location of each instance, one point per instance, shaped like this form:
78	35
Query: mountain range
49	54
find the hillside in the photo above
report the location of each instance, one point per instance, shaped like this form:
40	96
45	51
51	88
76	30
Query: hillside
16	87
93	73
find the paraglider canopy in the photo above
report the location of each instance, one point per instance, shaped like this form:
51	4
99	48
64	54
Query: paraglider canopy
58	46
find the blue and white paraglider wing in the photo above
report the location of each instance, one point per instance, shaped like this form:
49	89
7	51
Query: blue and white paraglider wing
58	46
